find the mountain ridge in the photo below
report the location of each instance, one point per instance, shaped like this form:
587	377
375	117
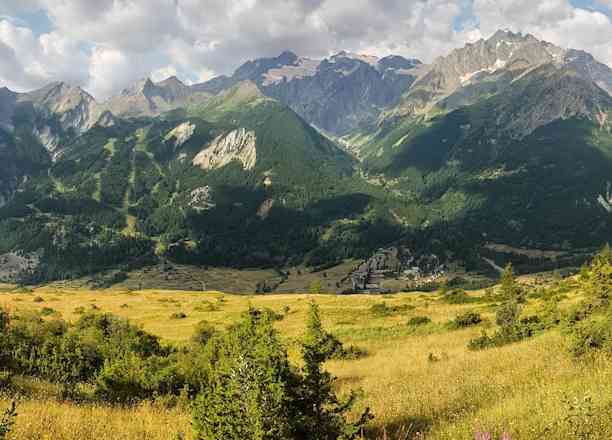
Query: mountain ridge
292	160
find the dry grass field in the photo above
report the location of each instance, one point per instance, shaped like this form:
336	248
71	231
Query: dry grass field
414	378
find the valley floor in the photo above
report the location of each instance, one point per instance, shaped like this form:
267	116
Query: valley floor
414	378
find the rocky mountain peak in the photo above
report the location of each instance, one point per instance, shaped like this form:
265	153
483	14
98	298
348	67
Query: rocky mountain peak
142	86
106	119
287	57
254	70
344	55
397	62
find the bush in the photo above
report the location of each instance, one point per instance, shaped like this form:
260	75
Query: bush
459	296
130	378
204	332
5	379
8	420
507	314
38	299
510	289
47	311
178	315
382	309
525	328
418	320
590	336
467	319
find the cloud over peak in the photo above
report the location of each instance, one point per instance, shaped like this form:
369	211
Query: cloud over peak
103	45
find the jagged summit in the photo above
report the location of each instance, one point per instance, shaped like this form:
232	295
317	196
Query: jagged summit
139	86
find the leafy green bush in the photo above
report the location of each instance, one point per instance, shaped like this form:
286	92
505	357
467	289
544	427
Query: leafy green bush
466	319
419	320
47	311
204	332
592	335
508	334
129	378
67	354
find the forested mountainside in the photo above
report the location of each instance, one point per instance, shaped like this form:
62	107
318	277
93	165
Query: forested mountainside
291	160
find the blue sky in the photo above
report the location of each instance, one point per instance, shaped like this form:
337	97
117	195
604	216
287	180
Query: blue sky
104	45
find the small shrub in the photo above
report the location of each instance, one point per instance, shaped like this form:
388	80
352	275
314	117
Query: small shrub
79	310
178	315
382	309
432	358
349	353
124	306
523	329
204	332
590	336
418	321
507	314
467	319
5	379
47	311
274	316
481	342
130	378
38	299
8	420
459	296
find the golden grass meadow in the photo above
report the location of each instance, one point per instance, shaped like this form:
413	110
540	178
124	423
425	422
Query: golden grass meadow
415	379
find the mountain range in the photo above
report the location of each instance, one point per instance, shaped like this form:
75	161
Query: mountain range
507	140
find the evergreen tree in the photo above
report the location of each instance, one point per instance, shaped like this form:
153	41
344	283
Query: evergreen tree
322	411
510	288
254	393
247	395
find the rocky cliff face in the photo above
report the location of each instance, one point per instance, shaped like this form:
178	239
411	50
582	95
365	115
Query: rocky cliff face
476	63
50	112
337	94
237	145
146	98
538	81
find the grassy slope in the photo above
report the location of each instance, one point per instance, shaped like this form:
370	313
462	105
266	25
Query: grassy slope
520	388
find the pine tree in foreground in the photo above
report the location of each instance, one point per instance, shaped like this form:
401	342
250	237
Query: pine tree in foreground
255	393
